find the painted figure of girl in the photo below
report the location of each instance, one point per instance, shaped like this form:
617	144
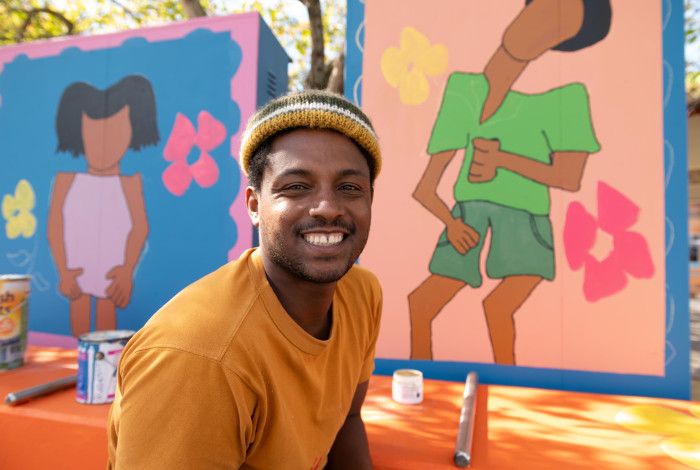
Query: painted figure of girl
97	223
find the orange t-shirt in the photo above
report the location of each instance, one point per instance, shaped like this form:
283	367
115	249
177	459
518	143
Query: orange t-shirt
222	377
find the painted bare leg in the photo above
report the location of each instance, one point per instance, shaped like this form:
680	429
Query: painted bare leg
500	307
424	304
105	315
80	315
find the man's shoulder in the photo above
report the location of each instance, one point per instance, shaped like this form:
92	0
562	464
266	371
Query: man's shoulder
359	281
204	317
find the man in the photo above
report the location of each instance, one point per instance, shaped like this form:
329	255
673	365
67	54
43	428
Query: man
265	362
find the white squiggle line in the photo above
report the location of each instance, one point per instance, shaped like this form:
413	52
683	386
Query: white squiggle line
359	44
355	90
667	16
12	257
671	235
669	82
672	355
671	314
670	160
40	282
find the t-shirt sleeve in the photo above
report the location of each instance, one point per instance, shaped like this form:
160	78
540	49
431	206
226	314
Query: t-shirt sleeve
569	125
450	131
176	410
376	302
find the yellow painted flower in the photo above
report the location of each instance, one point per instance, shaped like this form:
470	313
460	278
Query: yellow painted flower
406	67
681	431
17	211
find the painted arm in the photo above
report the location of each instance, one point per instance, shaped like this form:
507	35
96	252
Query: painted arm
67	283
350	449
565	171
461	235
119	291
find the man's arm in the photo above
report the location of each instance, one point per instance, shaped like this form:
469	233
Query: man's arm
565	171
175	409
350	449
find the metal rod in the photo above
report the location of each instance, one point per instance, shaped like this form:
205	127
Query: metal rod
16	398
465	435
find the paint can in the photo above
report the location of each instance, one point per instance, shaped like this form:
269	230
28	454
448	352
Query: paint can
407	386
98	358
14	317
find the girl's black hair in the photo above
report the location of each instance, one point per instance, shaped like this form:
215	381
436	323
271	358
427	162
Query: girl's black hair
79	97
597	15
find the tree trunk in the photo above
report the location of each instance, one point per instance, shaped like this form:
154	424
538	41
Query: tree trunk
335	77
192	8
318	76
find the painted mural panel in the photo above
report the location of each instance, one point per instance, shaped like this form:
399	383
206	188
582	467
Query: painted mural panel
120	183
520	215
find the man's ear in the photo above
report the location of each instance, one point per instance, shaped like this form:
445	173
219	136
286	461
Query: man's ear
251	201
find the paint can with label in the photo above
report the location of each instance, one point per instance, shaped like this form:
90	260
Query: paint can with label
98	359
14	316
407	386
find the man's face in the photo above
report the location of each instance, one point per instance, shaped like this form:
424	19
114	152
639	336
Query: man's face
313	208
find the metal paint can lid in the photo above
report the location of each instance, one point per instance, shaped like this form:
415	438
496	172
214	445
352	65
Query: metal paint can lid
15	277
106	336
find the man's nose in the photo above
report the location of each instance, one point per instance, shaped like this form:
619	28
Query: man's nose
327	206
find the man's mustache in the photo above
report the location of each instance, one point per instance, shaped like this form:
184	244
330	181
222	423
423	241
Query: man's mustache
318	224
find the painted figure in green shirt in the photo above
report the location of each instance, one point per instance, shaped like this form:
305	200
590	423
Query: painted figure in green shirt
516	147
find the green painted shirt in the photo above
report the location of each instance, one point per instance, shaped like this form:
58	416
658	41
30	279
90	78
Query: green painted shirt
532	126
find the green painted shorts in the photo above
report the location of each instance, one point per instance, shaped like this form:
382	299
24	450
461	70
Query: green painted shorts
521	244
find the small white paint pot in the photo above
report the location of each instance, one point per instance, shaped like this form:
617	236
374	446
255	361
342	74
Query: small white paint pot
407	386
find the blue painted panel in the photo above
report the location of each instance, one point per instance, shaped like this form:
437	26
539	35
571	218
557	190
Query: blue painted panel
189	235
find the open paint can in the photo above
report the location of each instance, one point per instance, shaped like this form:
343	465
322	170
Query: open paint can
98	359
407	386
14	316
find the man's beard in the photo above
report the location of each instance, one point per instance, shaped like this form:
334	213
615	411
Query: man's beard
280	256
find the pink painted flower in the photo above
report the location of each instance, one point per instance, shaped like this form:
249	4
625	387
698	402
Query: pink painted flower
629	255
210	133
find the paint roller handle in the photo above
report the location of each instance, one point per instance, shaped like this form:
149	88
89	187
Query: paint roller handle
16	398
465	435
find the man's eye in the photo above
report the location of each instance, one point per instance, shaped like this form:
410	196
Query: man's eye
349	187
295	187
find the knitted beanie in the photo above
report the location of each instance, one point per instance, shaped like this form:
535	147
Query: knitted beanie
313	109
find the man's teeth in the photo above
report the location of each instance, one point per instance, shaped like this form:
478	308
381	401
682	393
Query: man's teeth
323	239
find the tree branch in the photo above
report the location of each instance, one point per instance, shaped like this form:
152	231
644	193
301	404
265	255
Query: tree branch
19	36
127	10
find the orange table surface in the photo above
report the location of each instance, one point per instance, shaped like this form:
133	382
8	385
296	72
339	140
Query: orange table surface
520	428
515	428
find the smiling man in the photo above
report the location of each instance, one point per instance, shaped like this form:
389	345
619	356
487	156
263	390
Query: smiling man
265	362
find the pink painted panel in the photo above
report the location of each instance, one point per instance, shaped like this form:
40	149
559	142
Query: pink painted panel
561	324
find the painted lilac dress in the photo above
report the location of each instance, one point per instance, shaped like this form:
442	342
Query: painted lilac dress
96	224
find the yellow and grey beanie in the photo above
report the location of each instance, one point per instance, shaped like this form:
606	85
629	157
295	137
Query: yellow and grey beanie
313	109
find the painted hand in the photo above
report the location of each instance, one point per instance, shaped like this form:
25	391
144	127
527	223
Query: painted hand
119	291
485	160
67	284
462	236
